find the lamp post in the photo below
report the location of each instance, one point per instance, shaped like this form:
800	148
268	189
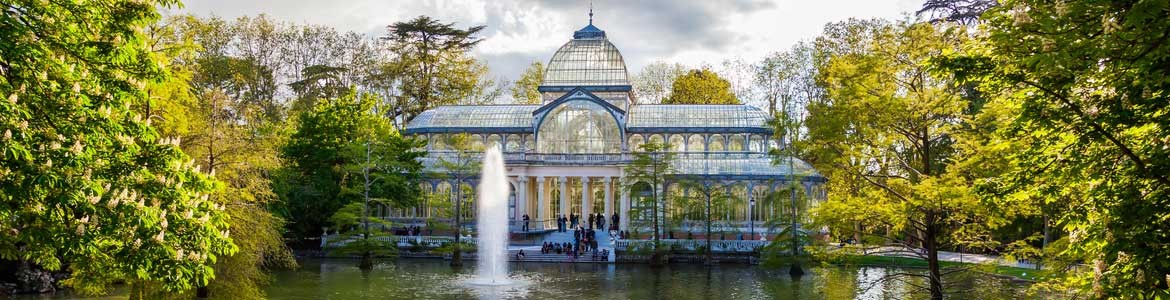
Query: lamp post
751	219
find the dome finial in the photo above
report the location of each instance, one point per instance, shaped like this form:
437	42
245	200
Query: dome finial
591	12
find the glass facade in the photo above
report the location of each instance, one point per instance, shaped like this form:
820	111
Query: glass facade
592	135
586	62
475	116
690	116
579	126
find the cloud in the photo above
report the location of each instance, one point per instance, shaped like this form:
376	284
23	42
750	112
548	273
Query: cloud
518	32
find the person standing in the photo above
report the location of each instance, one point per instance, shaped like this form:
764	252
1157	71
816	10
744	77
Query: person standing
526	222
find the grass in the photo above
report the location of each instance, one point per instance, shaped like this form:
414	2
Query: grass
907	262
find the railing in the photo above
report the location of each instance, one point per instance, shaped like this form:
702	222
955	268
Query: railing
597	157
724	246
402	241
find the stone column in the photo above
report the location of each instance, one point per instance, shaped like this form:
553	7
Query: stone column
608	197
541	209
522	199
586	208
564	181
624	214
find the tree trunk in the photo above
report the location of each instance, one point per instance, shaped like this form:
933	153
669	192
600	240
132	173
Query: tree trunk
709	260
931	233
456	253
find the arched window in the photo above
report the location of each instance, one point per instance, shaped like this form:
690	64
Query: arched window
494	140
695	143
529	143
513	143
579	126
439	142
476	142
636	142
657	139
736	143
757	143
676	143
716	143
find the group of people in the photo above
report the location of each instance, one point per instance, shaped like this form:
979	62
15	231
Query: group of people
592	221
584	241
409	231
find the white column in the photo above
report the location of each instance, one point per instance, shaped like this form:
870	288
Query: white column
541	209
563	181
608	197
586	208
522	199
624	214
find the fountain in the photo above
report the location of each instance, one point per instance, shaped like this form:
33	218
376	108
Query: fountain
492	221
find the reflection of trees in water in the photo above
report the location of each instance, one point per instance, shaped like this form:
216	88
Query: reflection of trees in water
433	279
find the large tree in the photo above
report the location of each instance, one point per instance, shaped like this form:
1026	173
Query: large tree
701	86
524	90
383	172
85	181
461	164
432	64
226	129
890	123
1089	81
653	83
652	165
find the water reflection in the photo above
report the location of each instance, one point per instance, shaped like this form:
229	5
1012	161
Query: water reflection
423	279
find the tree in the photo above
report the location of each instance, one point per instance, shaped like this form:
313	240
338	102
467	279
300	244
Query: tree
787	80
890	123
202	104
652	165
461	164
316	158
701	86
390	169
524	90
705	194
85	181
965	12
1088	79
433	64
653	83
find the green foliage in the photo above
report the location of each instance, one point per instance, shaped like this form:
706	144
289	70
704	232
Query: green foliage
886	132
85	181
433	66
524	90
651	165
1087	83
705	196
384	173
654	81
459	165
701	86
317	155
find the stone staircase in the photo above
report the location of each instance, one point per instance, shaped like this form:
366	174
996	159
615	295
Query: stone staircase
536	256
532	254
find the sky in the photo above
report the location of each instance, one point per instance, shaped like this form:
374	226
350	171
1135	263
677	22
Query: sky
519	32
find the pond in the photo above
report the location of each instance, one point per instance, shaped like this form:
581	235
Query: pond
433	279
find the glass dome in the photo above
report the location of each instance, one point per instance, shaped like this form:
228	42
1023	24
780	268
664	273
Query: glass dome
579	126
587	60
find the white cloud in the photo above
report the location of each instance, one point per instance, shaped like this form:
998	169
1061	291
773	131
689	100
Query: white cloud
520	31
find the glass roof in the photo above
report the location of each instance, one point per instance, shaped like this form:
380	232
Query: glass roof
586	62
474	116
691	115
759	166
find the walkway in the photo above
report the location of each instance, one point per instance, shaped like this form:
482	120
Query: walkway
958	257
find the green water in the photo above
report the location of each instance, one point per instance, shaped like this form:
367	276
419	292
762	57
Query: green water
433	279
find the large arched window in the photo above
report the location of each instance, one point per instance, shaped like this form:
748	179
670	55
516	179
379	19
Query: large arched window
676	143
579	126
